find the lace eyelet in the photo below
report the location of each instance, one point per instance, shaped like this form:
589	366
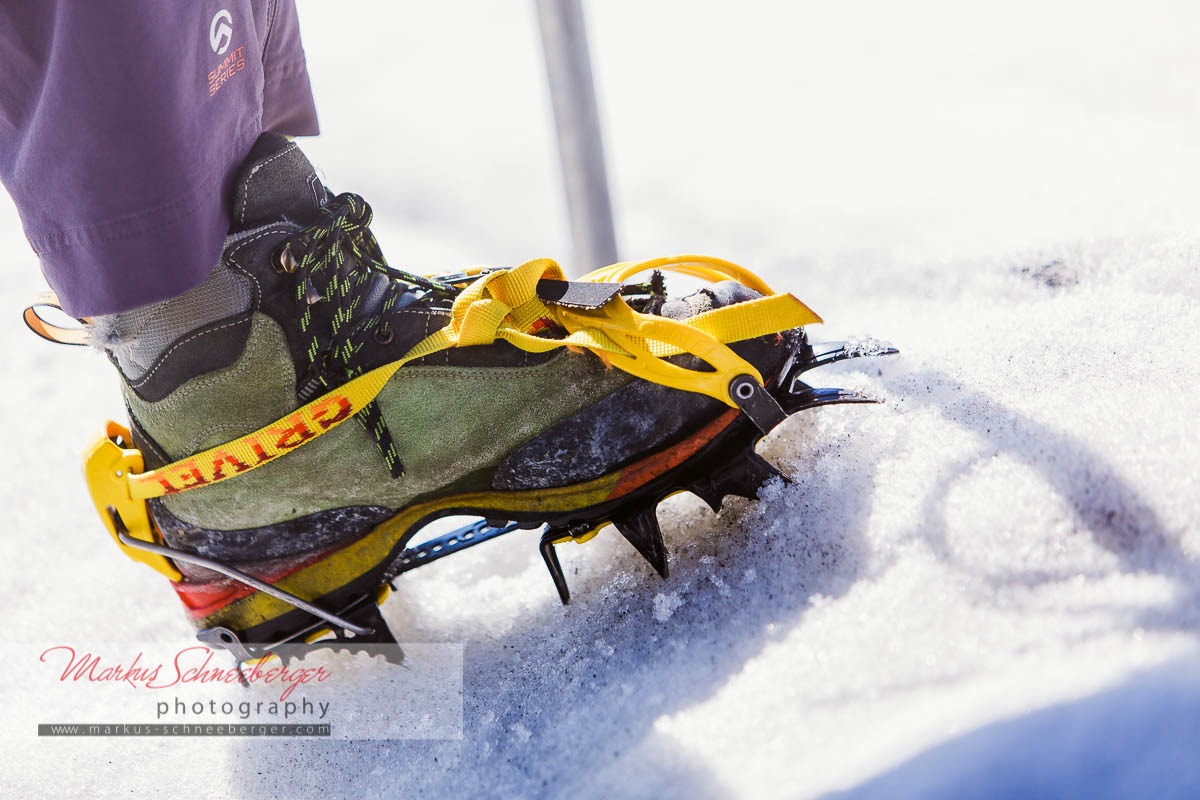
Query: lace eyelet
284	262
384	335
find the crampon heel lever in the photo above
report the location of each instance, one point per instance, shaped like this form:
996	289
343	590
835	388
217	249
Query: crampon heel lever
236	574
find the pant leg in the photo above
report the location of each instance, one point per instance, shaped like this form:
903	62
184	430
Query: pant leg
287	95
122	124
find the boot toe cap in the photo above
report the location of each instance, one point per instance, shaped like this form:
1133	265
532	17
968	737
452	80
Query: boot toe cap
719	295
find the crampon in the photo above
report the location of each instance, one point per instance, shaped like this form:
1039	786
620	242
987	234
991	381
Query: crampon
717	462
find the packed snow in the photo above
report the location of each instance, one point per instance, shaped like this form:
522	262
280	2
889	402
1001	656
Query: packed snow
988	586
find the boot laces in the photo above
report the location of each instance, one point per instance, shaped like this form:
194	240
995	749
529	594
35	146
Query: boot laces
345	290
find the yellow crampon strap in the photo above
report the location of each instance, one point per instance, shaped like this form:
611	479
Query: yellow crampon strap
504	305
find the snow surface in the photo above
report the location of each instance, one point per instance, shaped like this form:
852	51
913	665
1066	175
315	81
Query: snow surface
987	587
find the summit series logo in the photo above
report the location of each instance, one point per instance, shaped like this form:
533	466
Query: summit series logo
220	31
220	37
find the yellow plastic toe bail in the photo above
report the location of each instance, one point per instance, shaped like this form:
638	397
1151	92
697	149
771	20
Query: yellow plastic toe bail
106	468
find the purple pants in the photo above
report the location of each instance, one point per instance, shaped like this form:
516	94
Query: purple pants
122	125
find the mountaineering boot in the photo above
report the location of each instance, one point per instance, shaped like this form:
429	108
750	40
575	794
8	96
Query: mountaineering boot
511	395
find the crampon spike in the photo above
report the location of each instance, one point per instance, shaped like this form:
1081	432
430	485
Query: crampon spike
707	490
743	476
746	475
546	548
643	532
798	395
804	396
819	354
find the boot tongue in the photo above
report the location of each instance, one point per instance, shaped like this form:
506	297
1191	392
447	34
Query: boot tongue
276	182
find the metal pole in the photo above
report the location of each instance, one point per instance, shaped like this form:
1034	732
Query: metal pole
569	70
